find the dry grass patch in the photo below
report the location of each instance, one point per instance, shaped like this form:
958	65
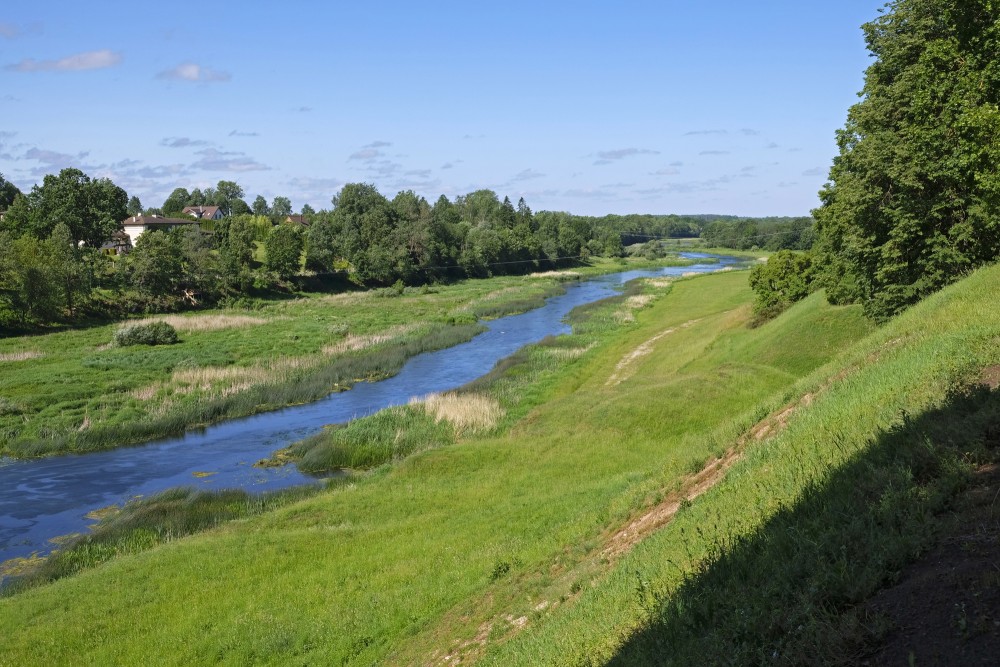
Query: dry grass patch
659	283
468	413
21	356
569	352
353	343
194	323
633	303
555	274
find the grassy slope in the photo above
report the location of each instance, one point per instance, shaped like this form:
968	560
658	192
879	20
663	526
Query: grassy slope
407	559
810	523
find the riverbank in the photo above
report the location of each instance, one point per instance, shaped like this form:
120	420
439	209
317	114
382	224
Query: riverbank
72	391
430	556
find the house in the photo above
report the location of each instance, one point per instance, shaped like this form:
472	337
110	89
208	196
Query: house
297	220
120	243
203	212
138	224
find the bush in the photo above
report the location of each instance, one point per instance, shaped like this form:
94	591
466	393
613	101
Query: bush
784	279
153	333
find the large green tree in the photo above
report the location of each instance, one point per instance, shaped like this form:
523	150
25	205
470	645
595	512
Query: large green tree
913	199
91	209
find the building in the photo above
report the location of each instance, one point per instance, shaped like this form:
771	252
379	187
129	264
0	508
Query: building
203	212
138	224
120	243
297	220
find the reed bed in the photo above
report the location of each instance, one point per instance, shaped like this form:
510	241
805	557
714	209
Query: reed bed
467	413
354	343
213	322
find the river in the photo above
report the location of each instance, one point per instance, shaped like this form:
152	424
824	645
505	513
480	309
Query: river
42	499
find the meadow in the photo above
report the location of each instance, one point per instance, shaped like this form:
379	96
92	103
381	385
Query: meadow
73	391
479	540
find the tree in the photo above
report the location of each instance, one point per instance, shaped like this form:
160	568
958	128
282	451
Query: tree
225	194
284	250
281	207
308	210
785	278
67	269
92	210
913	199
134	206
260	206
8	191
177	200
27	287
155	265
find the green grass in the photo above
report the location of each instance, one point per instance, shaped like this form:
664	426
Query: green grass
406	562
69	391
773	563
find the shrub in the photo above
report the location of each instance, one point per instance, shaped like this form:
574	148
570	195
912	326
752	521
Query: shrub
151	333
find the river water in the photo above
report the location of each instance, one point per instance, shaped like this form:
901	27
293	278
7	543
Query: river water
45	498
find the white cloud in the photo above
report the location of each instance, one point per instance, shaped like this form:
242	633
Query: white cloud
195	73
76	63
214	160
366	154
182	142
604	157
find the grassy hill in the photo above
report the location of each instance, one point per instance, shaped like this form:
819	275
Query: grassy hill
663	475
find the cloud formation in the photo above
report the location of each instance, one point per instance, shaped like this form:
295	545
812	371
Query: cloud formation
182	142
194	73
694	133
366	154
215	160
607	157
80	62
714	153
237	133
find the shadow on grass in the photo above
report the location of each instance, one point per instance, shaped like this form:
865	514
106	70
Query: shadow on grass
792	592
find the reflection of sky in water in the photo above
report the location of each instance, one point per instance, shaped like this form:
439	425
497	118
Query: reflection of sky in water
44	498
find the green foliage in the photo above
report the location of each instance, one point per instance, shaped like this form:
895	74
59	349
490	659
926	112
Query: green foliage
91	209
913	201
8	192
785	278
284	251
155	265
152	333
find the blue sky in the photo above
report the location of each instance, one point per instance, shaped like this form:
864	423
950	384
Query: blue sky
589	107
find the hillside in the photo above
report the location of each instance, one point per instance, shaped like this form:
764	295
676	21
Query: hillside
664	469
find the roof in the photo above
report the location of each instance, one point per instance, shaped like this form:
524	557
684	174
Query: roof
201	211
300	219
157	221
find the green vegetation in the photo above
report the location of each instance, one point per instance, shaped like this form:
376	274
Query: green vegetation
151	333
144	523
785	278
812	521
407	562
912	201
70	391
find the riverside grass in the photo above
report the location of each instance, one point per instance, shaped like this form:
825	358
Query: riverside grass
70	391
413	561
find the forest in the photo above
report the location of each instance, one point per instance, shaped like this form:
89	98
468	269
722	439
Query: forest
53	268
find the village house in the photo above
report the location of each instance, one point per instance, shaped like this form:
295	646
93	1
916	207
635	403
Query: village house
297	220
203	212
138	224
